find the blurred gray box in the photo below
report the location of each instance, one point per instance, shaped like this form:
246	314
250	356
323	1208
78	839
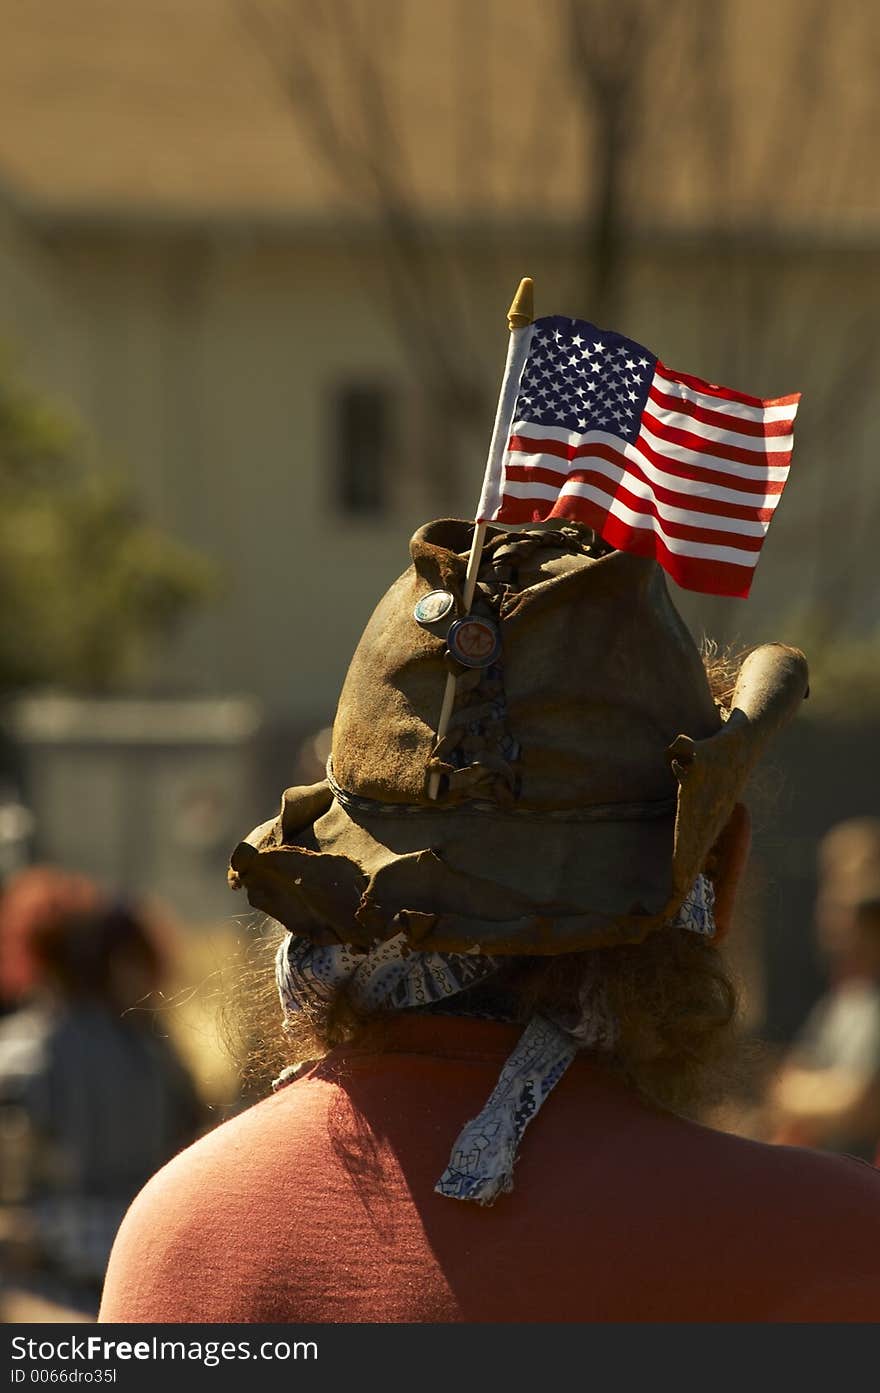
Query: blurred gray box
146	796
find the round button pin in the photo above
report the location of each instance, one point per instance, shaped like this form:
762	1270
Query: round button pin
473	642
433	607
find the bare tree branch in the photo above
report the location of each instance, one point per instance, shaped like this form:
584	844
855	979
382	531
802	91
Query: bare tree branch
424	292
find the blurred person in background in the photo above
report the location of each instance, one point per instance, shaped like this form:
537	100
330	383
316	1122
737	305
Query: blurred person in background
93	1099
827	1092
16	831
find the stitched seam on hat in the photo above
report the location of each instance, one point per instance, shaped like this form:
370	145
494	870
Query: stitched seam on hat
484	751
484	742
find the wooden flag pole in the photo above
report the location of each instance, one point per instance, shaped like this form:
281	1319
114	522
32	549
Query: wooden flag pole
519	317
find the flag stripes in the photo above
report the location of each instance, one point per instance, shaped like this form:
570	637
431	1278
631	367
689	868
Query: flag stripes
659	463
741	425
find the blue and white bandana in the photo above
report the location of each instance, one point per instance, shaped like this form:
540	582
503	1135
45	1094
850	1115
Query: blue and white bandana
393	977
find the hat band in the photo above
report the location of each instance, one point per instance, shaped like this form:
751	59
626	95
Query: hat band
596	812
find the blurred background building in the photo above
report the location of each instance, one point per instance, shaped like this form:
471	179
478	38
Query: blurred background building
265	249
262	251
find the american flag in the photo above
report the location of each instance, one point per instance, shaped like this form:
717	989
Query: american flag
658	462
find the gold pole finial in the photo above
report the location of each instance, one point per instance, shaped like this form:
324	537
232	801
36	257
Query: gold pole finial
522	311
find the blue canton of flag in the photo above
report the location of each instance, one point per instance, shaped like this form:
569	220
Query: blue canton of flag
582	379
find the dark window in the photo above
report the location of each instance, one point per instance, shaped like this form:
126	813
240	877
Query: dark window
362	428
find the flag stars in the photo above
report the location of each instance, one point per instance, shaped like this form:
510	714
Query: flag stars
578	384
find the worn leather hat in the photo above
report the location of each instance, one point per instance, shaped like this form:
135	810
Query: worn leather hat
586	774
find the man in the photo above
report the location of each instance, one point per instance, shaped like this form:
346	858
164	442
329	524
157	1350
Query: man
827	1092
536	948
